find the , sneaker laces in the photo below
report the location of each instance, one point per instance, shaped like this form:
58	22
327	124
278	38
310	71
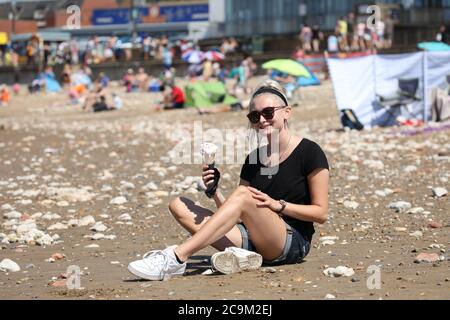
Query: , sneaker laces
156	258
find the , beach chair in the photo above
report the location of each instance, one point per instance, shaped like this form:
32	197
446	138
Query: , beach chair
403	98
440	103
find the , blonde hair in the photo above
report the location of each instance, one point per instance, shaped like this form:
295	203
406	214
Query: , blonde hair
269	86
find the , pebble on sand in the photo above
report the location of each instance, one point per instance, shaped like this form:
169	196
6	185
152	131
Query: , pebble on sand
151	186
55	257
416	234
62	204
97	236
399	206
8	265
6	206
127	185
58	226
69	194
439	192
99	227
51	216
12	215
106	175
118	200
124	217
427	257
25	227
328	240
73	222
434	225
410	169
374	164
351	204
415	210
106	188
339	272
380	193
46	240
86	221
92	246
31	193
161	193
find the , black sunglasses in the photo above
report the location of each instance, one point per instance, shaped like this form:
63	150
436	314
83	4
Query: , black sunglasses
268	114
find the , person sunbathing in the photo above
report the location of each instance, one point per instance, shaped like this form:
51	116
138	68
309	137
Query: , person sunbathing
142	79
129	81
101	104
289	82
88	99
222	108
283	191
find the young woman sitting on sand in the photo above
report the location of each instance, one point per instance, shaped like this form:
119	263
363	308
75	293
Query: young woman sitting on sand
270	214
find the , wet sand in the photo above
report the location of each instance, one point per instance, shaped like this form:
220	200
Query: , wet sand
60	164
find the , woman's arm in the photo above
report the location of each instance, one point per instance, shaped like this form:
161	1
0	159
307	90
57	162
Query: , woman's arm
219	199
316	212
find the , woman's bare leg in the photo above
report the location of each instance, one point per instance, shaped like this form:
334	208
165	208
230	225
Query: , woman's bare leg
193	217
267	229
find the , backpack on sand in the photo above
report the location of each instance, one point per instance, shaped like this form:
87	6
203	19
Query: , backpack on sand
349	120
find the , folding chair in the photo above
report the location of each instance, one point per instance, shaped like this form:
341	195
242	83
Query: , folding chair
404	97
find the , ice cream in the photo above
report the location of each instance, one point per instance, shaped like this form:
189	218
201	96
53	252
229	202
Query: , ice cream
208	151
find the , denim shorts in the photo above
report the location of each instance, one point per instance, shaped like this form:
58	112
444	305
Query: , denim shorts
295	249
